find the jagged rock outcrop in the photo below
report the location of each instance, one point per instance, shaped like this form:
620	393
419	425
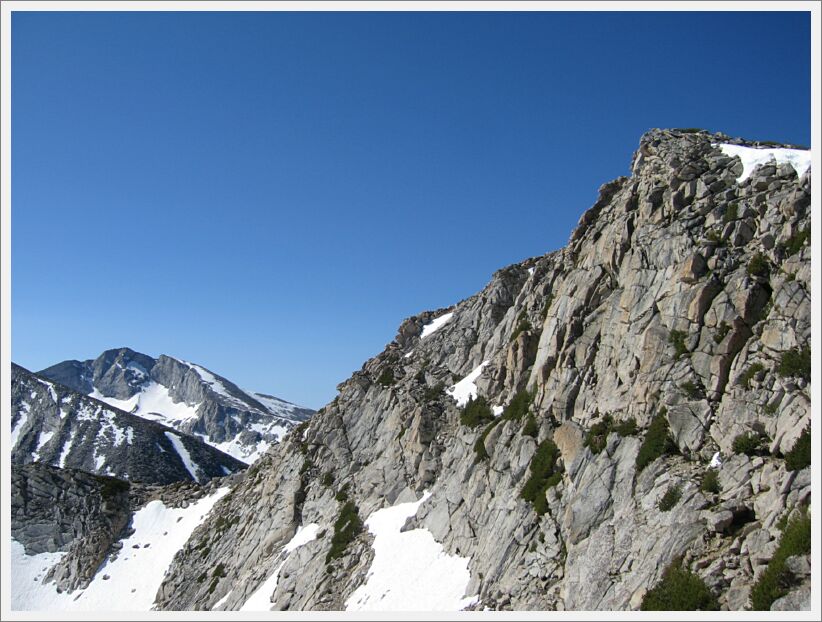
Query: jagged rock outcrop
184	396
51	424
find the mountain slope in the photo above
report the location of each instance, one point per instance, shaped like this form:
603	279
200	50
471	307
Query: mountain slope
54	425
679	309
82	541
185	396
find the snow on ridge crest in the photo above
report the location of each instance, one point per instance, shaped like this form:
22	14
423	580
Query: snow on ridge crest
751	157
435	324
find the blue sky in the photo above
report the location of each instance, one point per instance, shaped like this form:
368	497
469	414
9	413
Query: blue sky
270	194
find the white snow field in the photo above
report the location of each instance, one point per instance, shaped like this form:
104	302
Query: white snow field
799	159
411	571
466	388
192	467
435	325
154	403
128	583
260	600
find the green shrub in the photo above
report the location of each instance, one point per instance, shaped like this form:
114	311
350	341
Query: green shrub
627	427
679	590
432	393
721	331
342	494
799	456
386	378
750	444
519	406
731	212
477	412
691	389
796	242
523	325
758	265
530	428
670	498
328	478
710	482
657	442
347	527
546	306
306	465
677	339
753	370
775	581
597	437
715	237
796	362
544	475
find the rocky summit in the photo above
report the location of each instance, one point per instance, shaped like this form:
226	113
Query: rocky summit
51	424
185	396
621	424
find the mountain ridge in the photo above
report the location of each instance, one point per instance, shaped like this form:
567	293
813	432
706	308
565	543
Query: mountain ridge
592	420
185	396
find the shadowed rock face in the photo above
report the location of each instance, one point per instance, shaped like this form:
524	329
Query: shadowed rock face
54	425
184	396
83	515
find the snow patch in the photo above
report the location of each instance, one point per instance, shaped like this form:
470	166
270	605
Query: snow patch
411	571
260	600
497	410
25	408
134	577
153	402
751	157
466	388
221	601
42	439
61	462
181	450
435	325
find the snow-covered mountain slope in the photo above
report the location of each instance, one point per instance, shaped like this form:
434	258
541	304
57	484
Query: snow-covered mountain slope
184	396
104	564
55	425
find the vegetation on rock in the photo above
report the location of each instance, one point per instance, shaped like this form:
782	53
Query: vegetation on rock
679	590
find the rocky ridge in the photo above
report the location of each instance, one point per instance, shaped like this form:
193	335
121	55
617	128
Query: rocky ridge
642	395
51	424
184	396
680	295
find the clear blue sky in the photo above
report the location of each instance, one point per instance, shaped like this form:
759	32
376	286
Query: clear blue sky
270	194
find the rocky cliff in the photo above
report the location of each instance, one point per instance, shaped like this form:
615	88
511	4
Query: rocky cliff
593	429
51	424
669	334
185	396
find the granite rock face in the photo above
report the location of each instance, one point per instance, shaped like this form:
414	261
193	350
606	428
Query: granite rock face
678	296
184	396
680	304
51	424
